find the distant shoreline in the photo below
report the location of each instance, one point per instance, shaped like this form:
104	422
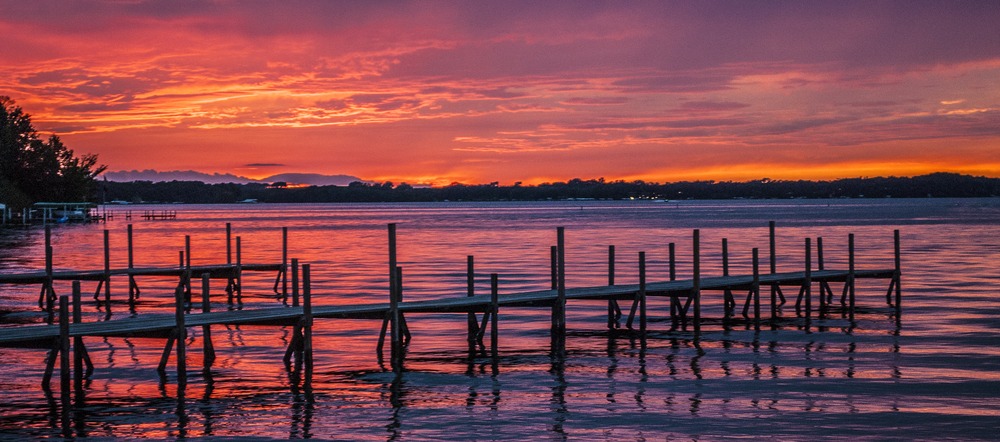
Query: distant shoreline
937	185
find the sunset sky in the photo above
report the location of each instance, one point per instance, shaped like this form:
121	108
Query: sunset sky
534	91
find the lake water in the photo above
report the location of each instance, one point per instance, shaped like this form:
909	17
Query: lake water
933	373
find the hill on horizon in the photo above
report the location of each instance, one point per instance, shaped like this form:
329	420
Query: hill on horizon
314	179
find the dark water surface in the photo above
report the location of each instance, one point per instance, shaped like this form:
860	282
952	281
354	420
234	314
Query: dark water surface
933	374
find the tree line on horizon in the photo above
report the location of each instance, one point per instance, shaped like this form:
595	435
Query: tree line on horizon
33	169
937	185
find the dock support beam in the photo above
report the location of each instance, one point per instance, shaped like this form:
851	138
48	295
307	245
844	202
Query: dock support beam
776	294
558	331
614	310
642	293
472	325
208	349
64	368
396	338
178	336
806	291
896	274
46	297
696	290
133	287
675	302
849	283
284	262
80	355
728	301
755	287
494	310
307	324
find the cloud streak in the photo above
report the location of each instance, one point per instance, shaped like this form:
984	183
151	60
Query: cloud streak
514	91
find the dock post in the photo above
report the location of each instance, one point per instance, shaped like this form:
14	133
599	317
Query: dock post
48	290
80	354
776	294
284	262
674	301
239	268
642	293
46	299
295	282
208	349
107	269
896	276
394	317
729	302
554	266
807	284
558	332
696	282
822	282
231	281
294	347
187	264
494	309
614	311
850	276
133	288
756	287
307	324
64	375
181	335
404	329
470	284
77	342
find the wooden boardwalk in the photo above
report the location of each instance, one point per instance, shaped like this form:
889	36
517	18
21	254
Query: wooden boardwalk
161	325
685	301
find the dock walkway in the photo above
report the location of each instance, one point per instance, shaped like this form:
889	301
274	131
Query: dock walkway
161	325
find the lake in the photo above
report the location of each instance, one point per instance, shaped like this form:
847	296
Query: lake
932	373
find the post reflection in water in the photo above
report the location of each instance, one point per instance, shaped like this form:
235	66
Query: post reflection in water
801	373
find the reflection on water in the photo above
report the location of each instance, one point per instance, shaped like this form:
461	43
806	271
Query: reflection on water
926	374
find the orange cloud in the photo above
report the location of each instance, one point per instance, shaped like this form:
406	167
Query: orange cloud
425	93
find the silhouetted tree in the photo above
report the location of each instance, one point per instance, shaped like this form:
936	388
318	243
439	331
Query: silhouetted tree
34	170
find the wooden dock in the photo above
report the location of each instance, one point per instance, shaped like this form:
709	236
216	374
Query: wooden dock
230	270
685	301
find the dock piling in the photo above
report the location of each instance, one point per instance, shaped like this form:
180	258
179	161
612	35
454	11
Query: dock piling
208	350
80	355
284	262
307	323
558	332
755	287
494	310
642	293
729	302
295	282
133	288
696	290
472	325
897	274
396	338
776	294
554	266
239	269
64	367
849	289
614	310
107	269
